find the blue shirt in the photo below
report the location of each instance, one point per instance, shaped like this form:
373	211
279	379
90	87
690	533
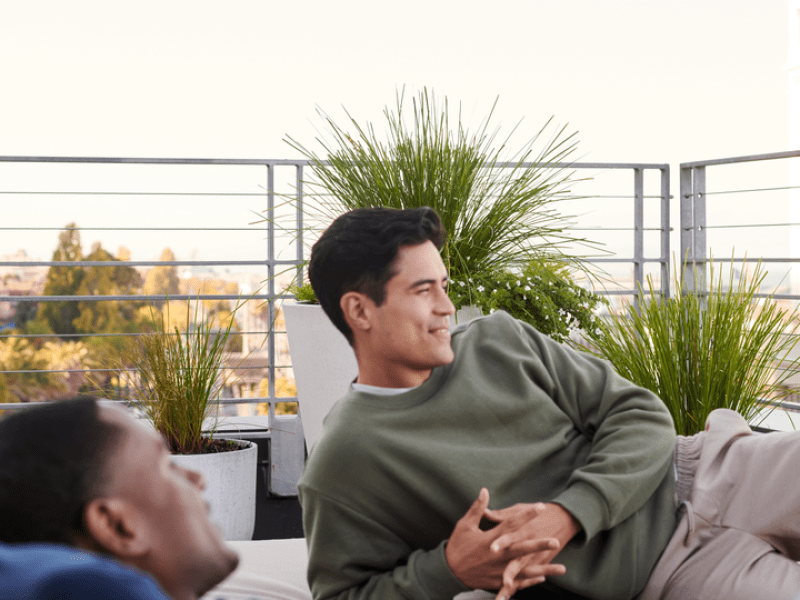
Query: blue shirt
55	572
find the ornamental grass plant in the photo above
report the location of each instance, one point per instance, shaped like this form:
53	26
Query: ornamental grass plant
723	349
498	207
179	376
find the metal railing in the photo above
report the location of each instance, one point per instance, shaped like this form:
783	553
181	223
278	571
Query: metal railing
695	224
763	197
41	188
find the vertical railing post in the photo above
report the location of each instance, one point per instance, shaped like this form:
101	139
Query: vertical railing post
271	288
638	235
700	242
299	220
665	232
687	227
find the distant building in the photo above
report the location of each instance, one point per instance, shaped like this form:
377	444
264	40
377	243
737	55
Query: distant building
18	280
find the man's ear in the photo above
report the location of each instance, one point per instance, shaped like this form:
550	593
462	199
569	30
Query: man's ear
115	527
356	308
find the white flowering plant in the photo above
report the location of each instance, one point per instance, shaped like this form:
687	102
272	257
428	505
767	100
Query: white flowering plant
542	294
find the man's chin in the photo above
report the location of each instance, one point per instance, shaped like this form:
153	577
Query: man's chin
229	560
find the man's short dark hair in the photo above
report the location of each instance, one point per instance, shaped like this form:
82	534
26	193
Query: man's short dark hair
52	463
357	254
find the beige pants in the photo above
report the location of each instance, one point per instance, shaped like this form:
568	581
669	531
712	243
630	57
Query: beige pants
739	537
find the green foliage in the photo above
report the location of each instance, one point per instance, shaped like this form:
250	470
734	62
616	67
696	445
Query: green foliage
303	292
179	375
162	280
543	295
70	317
36	371
109	315
496	218
699	353
59	316
28	375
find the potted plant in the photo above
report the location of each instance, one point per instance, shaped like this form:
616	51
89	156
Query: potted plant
702	351
499	212
177	380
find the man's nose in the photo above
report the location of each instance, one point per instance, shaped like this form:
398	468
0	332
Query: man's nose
445	305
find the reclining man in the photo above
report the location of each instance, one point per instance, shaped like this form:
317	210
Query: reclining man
95	497
568	461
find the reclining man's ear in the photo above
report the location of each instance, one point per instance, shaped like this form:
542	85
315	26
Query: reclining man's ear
357	310
115	527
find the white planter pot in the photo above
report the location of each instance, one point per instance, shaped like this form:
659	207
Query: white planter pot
323	362
465	314
230	487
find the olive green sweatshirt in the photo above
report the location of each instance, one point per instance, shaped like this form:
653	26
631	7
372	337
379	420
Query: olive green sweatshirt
517	413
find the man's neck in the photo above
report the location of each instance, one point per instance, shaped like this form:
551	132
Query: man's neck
384	378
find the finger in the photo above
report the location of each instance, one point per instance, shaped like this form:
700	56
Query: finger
511	571
517	541
478	508
527	547
510	585
517	511
506	592
534	571
527	577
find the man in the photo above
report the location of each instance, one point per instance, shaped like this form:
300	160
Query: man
90	502
568	460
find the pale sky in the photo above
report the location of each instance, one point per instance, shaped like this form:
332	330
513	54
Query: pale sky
639	80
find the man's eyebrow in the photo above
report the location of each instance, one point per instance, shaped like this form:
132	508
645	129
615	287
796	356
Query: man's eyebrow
422	282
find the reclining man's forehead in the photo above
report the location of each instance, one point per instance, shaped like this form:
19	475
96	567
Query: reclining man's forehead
127	424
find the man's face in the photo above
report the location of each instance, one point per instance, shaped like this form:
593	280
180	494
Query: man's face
185	550
410	331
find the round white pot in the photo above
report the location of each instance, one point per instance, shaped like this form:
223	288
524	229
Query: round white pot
323	364
230	487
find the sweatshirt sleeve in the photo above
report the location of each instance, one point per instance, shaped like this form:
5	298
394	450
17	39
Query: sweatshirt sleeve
353	557
631	432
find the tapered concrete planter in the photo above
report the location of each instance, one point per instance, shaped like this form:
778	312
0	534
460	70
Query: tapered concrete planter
323	362
230	487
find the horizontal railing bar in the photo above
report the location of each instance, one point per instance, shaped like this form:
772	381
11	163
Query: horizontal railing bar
106	193
259	400
122	368
750	225
770	189
252	400
758	295
142	263
291	162
690	260
135	229
264	194
621	292
157	297
601	228
625	260
93	335
153	161
584	165
740	159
